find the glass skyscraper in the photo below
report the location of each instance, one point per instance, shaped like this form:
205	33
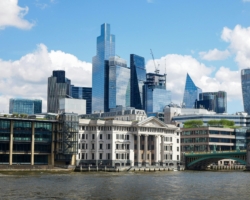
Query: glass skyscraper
245	84
214	101
83	93
138	77
58	87
105	49
25	106
117	83
156	97
191	93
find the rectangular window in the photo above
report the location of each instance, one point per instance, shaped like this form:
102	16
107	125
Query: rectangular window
152	156
117	156
86	136
93	156
122	156
127	146
171	148
100	136
127	137
108	146
79	146
136	146
100	146
93	146
83	156
83	146
83	128
93	136
83	136
117	146
171	157
127	156
177	140
86	156
108	156
109	137
178	157
117	136
170	139
100	156
86	146
177	148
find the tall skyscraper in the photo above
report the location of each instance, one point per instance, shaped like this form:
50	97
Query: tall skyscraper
25	106
105	49
138	77
117	83
191	93
213	101
156	97
58	87
245	85
83	93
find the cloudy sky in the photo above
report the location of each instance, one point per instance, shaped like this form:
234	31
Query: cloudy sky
208	39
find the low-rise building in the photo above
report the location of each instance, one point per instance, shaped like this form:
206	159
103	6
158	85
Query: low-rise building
127	143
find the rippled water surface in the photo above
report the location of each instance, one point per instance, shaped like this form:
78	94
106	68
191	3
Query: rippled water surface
104	185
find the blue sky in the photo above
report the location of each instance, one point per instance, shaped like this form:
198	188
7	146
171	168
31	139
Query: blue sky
208	39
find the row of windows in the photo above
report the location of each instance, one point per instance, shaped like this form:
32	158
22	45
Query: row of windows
122	146
85	136
101	146
198	140
122	137
205	132
167	139
85	156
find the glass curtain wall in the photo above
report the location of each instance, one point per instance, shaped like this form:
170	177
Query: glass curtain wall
245	85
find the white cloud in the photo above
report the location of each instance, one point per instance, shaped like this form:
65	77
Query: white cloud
239	39
28	76
246	0
177	67
214	54
13	15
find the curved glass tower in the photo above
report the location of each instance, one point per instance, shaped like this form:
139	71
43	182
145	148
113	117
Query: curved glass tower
191	93
245	84
105	49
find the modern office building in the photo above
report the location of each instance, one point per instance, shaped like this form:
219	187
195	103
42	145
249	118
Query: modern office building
69	105
127	143
58	87
213	101
83	93
105	49
25	141
245	84
117	83
191	93
156	97
25	106
138	77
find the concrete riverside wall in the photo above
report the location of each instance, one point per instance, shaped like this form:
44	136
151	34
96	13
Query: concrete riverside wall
223	167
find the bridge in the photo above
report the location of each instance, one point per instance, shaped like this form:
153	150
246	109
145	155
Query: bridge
200	160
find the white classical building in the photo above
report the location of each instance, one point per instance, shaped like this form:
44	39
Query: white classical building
115	143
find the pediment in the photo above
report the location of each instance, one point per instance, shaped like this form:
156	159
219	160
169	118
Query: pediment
152	122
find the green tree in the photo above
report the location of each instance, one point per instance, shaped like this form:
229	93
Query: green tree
222	122
193	123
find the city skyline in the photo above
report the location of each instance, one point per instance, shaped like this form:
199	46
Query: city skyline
204	38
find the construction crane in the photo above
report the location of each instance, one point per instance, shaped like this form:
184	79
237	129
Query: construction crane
156	68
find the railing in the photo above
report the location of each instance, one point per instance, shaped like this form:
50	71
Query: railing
211	152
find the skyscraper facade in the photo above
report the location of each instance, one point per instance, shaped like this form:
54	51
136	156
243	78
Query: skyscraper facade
191	93
83	93
138	77
156	97
58	87
117	83
25	106
213	101
245	85
105	49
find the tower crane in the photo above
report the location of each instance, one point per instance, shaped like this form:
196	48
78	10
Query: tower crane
156	68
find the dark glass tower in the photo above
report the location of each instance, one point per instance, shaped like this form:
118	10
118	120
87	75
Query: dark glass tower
105	50
117	83
138	77
191	93
245	85
156	97
83	93
58	87
214	101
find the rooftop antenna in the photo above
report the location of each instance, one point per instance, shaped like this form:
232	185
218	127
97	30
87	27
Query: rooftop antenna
156	68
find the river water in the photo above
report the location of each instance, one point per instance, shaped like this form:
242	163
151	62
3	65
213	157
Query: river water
132	185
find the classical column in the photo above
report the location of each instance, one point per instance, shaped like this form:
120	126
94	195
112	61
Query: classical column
145	147
156	149
32	142
138	149
162	148
11	142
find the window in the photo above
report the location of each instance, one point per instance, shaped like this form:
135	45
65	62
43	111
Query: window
177	140
171	157
83	128
177	148
127	156
117	156
178	157
109	137
83	146
171	148
100	146
86	136
122	156
93	156
86	156
127	137
100	136
108	146
100	156
83	136
127	146
86	146
93	136
152	156
108	156
93	146
170	139
83	156
79	146
117	146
